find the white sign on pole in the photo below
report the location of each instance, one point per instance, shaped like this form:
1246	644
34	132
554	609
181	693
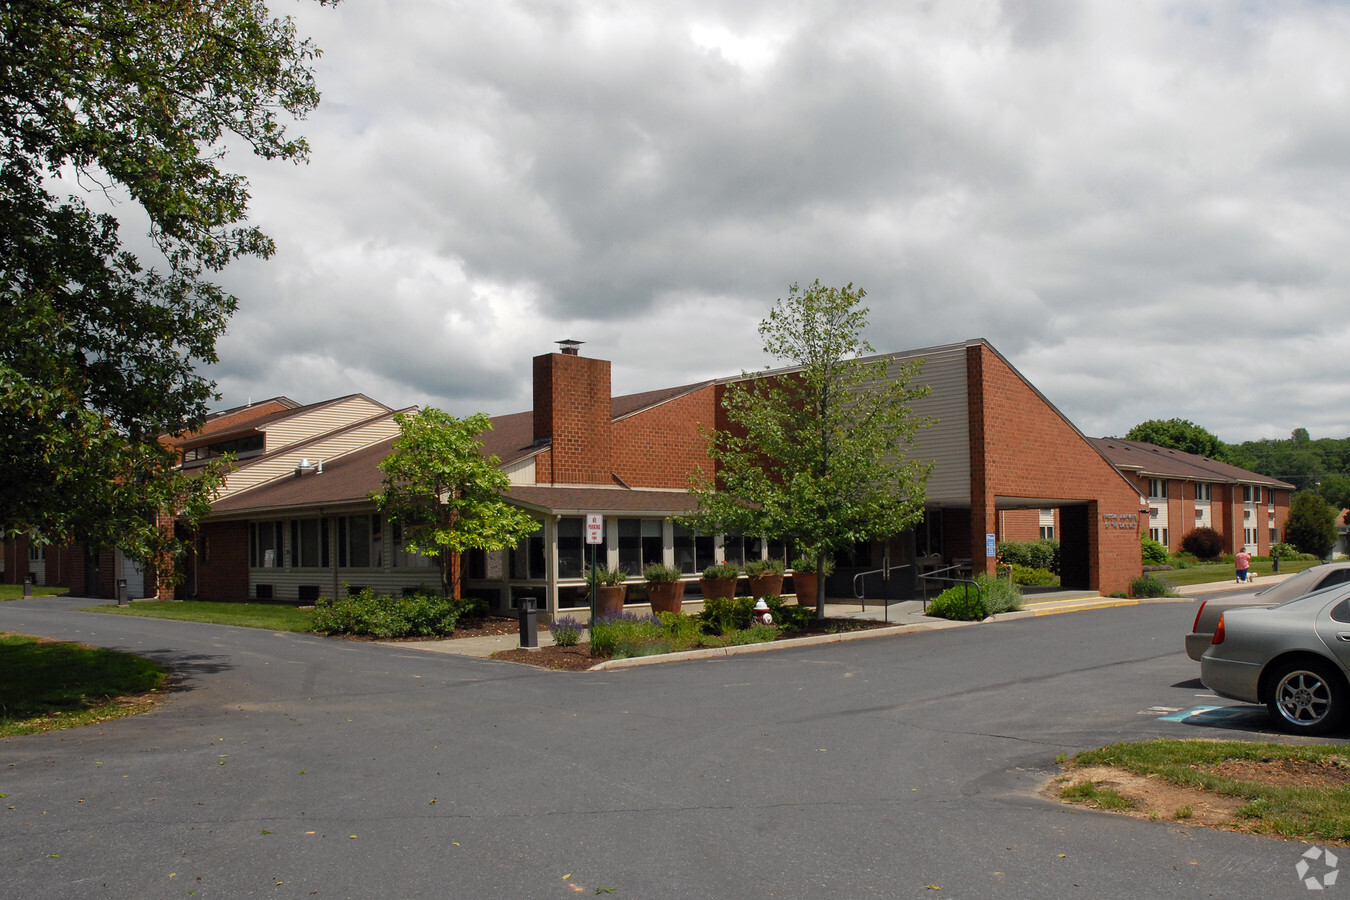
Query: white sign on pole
595	528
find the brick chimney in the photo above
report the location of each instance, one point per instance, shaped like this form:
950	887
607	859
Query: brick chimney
572	409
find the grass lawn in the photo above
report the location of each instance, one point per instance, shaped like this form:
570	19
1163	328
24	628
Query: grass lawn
1224	572
1299	792
15	591
249	615
48	685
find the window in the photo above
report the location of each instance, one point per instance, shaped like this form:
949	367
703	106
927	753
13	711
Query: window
406	559
573	553
264	544
242	448
360	542
1251	493
1047	532
1159	535
1157	489
309	543
781	550
1203	491
527	557
1249	535
693	553
639	544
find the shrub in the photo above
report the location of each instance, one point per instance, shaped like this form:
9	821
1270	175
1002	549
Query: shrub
566	631
1205	543
722	570
1042	577
1283	551
384	616
1153	552
1311	526
724	615
1150	586
794	617
1042	554
757	567
962	602
625	634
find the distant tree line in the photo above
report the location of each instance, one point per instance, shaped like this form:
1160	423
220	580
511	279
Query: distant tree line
1321	465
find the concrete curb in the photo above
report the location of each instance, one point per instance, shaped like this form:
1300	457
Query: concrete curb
719	652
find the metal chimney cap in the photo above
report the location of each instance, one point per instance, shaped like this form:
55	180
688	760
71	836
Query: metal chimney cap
570	347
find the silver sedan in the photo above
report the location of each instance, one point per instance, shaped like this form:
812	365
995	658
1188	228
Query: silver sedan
1305	582
1294	658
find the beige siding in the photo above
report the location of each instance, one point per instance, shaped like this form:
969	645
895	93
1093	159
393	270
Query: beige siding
282	465
320	420
521	472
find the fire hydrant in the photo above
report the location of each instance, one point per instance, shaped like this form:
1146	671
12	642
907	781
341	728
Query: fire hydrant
762	613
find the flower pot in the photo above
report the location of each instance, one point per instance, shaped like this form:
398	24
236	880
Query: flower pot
804	584
718	587
770	584
666	596
609	599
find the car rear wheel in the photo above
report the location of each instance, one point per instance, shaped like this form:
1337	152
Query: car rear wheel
1307	698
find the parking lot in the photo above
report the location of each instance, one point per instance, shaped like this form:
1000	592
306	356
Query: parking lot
292	766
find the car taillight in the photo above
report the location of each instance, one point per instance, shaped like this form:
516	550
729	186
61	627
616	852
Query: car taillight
1195	626
1218	631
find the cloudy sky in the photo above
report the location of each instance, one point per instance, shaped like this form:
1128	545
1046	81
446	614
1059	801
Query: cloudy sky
1145	206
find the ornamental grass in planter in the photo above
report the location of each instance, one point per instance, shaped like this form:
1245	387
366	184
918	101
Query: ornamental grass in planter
720	580
664	587
766	577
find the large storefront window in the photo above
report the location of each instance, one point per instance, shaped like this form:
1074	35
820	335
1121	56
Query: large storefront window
527	558
639	544
405	558
264	545
739	548
309	543
693	553
572	549
360	540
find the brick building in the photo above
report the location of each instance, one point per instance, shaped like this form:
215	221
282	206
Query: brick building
1185	491
295	519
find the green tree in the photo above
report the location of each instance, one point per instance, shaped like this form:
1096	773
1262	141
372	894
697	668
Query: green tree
1311	526
1335	489
445	493
1179	434
816	453
99	350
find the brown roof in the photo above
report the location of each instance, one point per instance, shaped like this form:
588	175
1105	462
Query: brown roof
1168	462
345	479
631	403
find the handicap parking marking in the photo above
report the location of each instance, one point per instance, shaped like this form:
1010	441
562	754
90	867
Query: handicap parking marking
1158	710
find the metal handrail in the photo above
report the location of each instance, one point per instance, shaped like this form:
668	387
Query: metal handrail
884	571
936	575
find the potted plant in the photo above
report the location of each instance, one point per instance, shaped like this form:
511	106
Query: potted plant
719	580
804	578
664	586
610	589
766	577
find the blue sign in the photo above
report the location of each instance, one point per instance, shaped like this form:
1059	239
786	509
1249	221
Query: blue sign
989	546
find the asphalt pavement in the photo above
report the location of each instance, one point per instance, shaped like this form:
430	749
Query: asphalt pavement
291	765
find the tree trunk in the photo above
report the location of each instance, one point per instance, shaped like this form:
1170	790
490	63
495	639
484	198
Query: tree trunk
820	585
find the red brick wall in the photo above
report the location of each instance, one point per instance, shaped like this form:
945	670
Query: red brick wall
222	563
1019	525
1022	447
661	446
572	407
